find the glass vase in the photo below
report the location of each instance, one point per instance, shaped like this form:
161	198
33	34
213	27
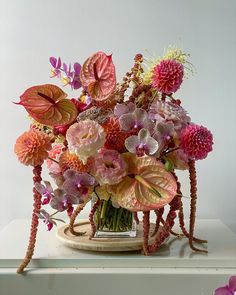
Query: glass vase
111	221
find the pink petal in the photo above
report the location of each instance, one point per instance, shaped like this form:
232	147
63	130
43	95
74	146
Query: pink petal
127	122
232	283
77	68
53	61
59	63
49	225
223	291
131	143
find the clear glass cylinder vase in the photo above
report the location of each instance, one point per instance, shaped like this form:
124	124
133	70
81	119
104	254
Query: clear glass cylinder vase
111	221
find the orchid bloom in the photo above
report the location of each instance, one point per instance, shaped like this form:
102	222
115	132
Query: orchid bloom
56	66
123	108
229	289
45	190
47	219
164	134
70	77
61	201
78	185
135	121
142	143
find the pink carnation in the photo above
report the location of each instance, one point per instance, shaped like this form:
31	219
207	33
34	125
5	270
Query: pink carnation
108	167
196	141
168	76
85	139
54	154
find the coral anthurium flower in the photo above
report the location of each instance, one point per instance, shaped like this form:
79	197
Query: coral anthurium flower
32	147
98	75
147	186
47	105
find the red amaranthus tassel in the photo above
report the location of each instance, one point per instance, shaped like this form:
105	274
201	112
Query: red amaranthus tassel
165	230
193	195
91	218
73	216
159	214
34	221
146	229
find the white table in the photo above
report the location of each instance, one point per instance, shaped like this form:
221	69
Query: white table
175	269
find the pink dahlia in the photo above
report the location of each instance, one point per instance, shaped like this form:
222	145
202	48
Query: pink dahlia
168	76
196	141
108	167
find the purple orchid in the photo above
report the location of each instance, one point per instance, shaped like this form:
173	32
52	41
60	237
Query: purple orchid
56	64
45	190
135	121
163	134
78	184
47	219
142	143
61	201
229	289
76	83
70	77
124	108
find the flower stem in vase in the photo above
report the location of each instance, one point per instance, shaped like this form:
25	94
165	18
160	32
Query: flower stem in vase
118	219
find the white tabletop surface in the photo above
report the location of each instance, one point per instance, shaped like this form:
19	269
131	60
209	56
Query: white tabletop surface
50	253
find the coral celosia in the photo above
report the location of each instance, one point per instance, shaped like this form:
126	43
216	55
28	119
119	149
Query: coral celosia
168	76
85	139
32	147
71	161
196	141
108	167
115	137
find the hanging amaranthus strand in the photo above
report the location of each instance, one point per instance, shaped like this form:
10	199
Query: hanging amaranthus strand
182	225
165	230
193	194
91	218
73	216
146	228
181	214
34	221
159	214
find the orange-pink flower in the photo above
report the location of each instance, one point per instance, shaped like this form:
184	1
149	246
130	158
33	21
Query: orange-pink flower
32	147
148	186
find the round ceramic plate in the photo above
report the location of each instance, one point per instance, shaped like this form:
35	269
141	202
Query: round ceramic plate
101	244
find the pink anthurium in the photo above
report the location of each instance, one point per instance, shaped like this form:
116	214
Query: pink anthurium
98	76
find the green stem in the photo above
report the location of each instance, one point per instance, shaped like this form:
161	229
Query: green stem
114	220
118	218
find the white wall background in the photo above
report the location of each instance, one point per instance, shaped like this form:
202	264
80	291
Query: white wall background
31	31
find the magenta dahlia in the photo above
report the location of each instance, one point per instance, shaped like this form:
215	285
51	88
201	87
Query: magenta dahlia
196	141
168	76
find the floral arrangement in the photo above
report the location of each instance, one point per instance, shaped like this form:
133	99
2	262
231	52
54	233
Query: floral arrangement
119	144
